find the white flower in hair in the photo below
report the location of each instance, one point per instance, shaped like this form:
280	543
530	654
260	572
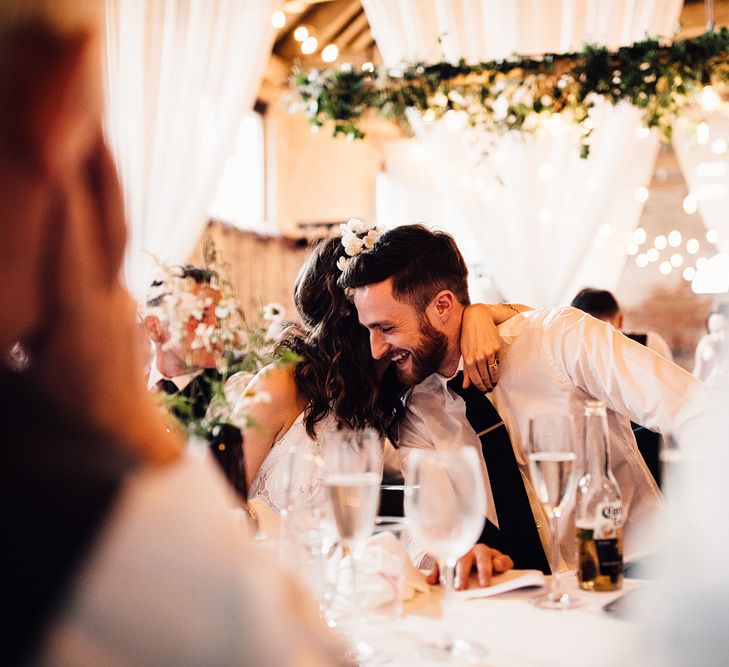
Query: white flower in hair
352	245
371	238
357	237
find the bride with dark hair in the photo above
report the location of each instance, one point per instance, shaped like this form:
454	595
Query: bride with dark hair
337	384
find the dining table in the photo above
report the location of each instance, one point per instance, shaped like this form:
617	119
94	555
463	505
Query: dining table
511	630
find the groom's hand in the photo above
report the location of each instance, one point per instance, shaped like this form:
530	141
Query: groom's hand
487	561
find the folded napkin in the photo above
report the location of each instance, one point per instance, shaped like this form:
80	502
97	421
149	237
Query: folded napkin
385	574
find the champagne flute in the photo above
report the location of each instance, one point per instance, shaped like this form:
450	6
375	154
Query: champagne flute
445	503
309	530
352	478
552	468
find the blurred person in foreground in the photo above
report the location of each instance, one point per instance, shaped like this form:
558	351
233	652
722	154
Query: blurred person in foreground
120	550
684	617
603	305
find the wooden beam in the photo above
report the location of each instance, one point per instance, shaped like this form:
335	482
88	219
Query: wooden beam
362	41
352	30
329	24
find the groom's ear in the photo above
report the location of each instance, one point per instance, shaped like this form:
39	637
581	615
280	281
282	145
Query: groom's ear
444	305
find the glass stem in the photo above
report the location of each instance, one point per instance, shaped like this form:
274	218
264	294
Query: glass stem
555	591
355	598
447	573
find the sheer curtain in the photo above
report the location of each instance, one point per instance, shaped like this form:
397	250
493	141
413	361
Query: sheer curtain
179	75
541	220
702	147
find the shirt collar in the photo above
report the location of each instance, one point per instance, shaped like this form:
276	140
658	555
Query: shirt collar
180	381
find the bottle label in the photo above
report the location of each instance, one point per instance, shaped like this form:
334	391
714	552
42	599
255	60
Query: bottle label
608	520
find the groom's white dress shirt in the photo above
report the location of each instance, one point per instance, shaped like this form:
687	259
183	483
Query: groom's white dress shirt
552	360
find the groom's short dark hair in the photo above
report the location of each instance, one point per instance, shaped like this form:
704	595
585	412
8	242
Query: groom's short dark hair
420	262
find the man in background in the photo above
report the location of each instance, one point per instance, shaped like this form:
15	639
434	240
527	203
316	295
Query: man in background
603	305
181	323
121	550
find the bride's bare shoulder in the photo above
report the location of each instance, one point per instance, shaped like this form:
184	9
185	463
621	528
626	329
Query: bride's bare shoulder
279	382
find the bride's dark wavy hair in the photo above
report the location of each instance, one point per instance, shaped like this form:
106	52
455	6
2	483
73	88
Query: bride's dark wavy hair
337	374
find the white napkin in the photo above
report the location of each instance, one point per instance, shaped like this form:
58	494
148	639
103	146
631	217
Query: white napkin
385	573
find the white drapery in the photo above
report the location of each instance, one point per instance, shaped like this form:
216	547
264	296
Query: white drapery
702	148
543	221
701	141
179	75
476	30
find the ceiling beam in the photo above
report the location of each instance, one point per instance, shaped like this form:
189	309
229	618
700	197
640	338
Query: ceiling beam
362	41
352	30
328	27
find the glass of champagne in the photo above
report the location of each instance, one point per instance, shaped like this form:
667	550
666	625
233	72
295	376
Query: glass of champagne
309	531
553	471
445	504
352	478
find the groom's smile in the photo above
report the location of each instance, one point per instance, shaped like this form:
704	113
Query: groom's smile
399	333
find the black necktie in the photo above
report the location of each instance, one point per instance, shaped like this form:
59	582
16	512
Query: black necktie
517	534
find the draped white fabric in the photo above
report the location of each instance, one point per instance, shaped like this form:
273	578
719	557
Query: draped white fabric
433	30
179	75
543	221
703	153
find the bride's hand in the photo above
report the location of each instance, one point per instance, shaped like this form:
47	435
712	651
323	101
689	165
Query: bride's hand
480	347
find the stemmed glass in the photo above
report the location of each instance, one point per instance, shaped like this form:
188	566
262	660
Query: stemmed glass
553	471
445	504
352	478
308	531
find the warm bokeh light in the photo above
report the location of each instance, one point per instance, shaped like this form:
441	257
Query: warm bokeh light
278	19
309	45
330	53
690	204
301	33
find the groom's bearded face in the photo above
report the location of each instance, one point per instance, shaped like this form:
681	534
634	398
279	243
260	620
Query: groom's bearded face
400	334
427	355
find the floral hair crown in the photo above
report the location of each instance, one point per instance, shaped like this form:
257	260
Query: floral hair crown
357	237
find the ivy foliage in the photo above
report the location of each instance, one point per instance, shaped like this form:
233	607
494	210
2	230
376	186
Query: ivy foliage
520	93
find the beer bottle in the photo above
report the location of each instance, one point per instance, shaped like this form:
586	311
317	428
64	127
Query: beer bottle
599	518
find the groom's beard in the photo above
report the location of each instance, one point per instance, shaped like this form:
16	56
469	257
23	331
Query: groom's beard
427	357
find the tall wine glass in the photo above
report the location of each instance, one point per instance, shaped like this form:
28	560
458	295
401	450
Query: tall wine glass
309	530
445	504
352	478
553	471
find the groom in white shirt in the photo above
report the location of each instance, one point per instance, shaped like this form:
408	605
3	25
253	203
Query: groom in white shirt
410	291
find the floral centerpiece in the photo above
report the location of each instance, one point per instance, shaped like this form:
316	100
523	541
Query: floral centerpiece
205	328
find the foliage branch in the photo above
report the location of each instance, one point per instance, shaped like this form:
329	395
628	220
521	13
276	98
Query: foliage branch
520	93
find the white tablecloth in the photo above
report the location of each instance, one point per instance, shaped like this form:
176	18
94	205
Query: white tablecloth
514	631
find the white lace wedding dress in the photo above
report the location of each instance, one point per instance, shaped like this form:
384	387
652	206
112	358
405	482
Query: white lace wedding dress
271	481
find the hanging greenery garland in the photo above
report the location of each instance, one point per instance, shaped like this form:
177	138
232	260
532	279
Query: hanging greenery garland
519	93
